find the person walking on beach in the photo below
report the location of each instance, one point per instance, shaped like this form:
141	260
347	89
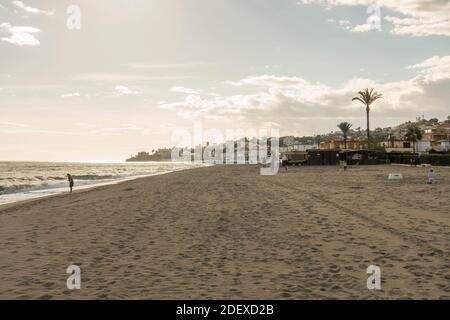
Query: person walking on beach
70	179
284	162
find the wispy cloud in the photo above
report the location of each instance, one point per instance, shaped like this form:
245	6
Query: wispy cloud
419	27
124	91
120	77
70	95
168	66
362	28
347	25
115	131
32	10
185	90
13	124
19	35
417	17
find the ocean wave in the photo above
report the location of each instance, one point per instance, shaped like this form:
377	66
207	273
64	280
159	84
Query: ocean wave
95	177
19	184
15	188
31	179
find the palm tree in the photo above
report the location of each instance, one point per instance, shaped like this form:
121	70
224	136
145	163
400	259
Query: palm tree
413	134
345	128
367	97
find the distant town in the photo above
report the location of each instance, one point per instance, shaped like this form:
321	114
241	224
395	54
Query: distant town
423	136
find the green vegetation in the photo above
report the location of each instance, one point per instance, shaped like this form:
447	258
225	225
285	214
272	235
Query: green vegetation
413	134
345	128
367	97
156	155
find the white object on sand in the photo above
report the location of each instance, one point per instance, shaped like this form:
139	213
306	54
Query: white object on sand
431	177
395	176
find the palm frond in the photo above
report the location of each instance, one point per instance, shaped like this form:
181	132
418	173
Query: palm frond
359	99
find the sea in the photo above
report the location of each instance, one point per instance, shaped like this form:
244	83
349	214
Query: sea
27	180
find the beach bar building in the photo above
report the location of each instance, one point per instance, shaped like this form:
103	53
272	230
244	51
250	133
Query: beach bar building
356	157
323	157
330	157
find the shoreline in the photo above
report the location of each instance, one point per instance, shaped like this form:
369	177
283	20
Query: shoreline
83	189
29	195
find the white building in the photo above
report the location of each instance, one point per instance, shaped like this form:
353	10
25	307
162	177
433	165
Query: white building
423	146
297	147
444	145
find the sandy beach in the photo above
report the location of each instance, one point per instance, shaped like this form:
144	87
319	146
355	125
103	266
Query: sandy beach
225	232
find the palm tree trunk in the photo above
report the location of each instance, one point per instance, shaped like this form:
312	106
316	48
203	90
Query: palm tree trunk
368	128
345	141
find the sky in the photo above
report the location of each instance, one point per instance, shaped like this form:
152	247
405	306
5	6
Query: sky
108	78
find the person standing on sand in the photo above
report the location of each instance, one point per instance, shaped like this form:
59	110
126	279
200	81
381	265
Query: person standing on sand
70	179
284	162
431	177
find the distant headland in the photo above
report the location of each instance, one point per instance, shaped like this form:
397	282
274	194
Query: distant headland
155	155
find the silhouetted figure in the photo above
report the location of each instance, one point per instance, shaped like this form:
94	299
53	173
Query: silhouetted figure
284	162
70	179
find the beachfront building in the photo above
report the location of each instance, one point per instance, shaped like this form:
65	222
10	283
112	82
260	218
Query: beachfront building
361	157
444	145
323	157
295	157
297	147
403	146
423	146
397	145
437	133
340	144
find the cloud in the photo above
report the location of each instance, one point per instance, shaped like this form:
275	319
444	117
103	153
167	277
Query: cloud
116	131
19	35
116	77
70	95
415	17
13	124
294	101
32	10
168	66
362	28
184	90
433	69
347	25
419	27
123	91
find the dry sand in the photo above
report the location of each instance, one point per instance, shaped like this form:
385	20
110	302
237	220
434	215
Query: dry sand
226	232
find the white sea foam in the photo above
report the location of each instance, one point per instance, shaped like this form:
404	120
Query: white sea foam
26	180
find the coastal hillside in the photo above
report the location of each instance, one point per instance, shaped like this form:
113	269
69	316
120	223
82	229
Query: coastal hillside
155	155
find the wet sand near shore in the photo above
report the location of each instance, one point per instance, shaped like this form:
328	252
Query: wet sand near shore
226	232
